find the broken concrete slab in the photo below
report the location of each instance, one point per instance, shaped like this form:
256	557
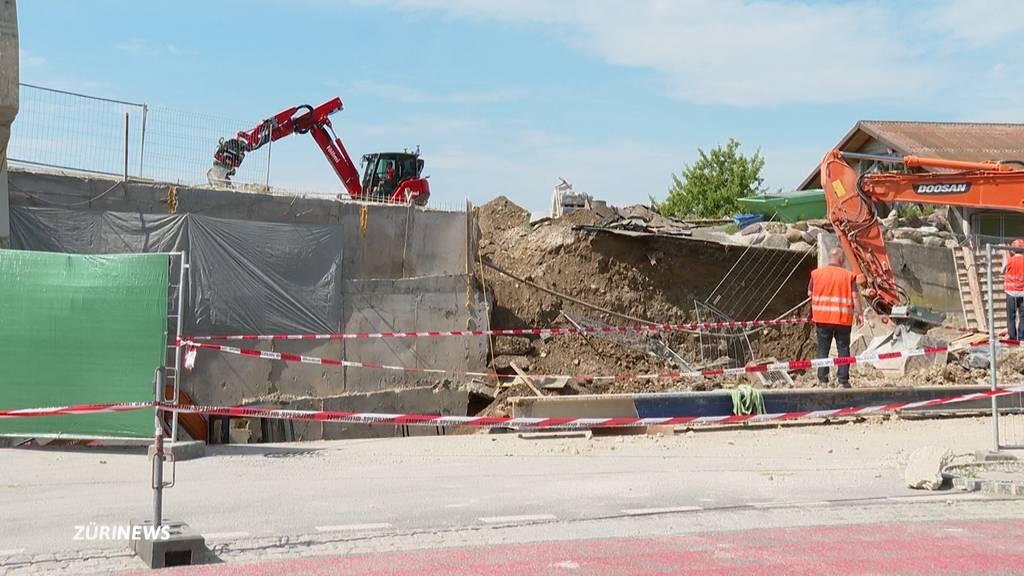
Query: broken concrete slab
924	467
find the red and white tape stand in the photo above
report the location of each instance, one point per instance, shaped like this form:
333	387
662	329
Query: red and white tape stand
499	422
640	329
789	366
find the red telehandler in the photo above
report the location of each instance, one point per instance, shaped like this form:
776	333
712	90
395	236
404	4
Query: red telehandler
391	177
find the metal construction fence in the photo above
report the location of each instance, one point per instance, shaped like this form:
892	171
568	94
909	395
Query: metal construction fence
68	130
1006	432
72	131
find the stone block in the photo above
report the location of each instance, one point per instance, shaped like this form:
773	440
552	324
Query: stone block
182	547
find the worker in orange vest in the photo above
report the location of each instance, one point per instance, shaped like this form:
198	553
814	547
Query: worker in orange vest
1013	285
834	308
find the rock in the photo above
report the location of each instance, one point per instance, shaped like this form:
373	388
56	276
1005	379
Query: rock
890	221
934	241
774	227
512	345
908	234
924	467
775	241
801	226
809	238
800	246
794	235
938	220
505	362
911	222
479	388
757	239
752	229
815	231
928	230
951	243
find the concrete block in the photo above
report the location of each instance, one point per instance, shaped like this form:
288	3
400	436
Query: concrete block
924	467
182	450
182	547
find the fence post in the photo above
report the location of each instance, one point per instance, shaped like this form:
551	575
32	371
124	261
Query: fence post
993	365
158	449
142	138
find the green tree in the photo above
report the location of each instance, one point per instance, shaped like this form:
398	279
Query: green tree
710	187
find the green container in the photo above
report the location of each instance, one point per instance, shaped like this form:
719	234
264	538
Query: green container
790	207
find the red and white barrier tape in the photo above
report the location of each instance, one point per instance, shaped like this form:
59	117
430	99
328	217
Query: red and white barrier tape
494	422
641	329
789	366
75	410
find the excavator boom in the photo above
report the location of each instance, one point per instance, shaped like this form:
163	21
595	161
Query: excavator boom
392	187
851	199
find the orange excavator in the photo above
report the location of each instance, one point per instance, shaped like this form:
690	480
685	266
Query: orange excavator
852	197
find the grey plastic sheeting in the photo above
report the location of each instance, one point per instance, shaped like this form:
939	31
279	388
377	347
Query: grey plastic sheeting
245	277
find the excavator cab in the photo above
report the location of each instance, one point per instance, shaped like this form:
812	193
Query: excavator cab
385	173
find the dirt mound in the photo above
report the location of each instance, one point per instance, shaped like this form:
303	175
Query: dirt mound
631	279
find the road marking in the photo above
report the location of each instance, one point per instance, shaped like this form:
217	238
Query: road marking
668	510
522	518
789	504
11	551
353	527
225	535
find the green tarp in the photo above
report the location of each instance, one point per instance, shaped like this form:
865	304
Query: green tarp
80	329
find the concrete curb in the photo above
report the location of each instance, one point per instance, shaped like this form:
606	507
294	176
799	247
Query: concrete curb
719	402
965	477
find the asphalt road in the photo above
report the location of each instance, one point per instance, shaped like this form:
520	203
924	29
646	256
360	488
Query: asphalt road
287	502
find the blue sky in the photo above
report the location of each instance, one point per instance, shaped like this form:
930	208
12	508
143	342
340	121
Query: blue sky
506	96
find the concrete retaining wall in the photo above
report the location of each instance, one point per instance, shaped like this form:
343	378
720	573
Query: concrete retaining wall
406	270
927	273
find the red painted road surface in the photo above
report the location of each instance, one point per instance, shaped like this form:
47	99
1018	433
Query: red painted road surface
992	547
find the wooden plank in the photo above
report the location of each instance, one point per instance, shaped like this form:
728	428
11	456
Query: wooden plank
977	306
526	378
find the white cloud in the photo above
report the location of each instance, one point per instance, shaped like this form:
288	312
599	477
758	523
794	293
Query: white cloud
408	94
979	22
732	52
29	59
140	47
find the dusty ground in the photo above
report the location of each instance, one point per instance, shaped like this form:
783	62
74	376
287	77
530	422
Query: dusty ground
303	500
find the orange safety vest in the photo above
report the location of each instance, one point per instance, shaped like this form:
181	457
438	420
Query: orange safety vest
1013	280
832	296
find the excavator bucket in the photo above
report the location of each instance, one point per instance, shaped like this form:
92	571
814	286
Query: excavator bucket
905	332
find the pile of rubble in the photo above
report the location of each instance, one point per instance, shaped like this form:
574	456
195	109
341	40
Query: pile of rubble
931	230
800	236
631	267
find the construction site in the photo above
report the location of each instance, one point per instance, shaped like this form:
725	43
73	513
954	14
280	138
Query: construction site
166	292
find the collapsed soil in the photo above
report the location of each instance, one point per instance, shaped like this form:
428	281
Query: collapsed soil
636	279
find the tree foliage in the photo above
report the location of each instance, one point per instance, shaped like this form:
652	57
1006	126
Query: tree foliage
710	187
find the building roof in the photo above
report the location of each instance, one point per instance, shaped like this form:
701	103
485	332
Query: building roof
946	140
